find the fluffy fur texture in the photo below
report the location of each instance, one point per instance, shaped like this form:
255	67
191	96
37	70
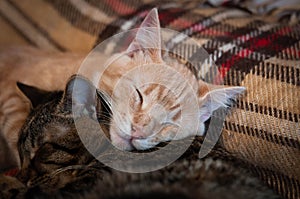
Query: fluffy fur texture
144	114
55	164
153	103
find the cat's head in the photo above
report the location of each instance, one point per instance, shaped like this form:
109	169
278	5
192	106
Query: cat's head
48	139
146	114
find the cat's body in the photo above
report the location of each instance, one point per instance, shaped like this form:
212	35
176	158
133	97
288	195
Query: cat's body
56	165
158	101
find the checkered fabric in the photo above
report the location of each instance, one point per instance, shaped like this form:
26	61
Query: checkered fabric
254	43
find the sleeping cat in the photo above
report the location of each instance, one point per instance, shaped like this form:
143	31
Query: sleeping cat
55	164
155	96
49	137
138	121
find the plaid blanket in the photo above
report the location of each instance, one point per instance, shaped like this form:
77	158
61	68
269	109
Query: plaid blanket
254	43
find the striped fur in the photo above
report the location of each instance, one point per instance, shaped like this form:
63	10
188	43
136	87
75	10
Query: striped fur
226	30
159	99
55	164
49	140
141	124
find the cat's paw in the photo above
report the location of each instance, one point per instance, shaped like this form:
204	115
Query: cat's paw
11	187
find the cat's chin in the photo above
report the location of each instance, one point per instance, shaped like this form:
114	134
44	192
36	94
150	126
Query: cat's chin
120	142
130	144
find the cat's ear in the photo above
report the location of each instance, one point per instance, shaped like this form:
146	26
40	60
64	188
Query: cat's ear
79	95
148	37
214	97
35	95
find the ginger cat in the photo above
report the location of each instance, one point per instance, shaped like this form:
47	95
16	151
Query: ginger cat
138	121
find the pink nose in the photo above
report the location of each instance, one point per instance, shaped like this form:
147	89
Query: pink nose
137	132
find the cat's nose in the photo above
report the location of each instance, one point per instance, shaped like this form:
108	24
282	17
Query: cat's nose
137	132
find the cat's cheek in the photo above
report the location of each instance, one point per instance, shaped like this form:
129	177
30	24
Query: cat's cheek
120	142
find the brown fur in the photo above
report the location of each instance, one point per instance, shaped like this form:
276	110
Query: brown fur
58	166
55	164
130	127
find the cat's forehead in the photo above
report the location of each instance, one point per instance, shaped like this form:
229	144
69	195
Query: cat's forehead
160	92
156	98
46	114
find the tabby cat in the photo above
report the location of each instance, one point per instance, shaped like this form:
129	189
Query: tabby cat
55	164
138	121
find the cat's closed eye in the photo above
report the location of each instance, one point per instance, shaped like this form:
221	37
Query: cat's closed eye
140	97
165	96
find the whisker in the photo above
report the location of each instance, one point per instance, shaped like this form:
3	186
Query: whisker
44	179
104	117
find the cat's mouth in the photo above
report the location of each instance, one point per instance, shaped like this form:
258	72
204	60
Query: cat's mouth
134	141
130	143
141	141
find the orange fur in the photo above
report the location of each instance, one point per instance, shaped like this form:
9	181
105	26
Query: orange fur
145	110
